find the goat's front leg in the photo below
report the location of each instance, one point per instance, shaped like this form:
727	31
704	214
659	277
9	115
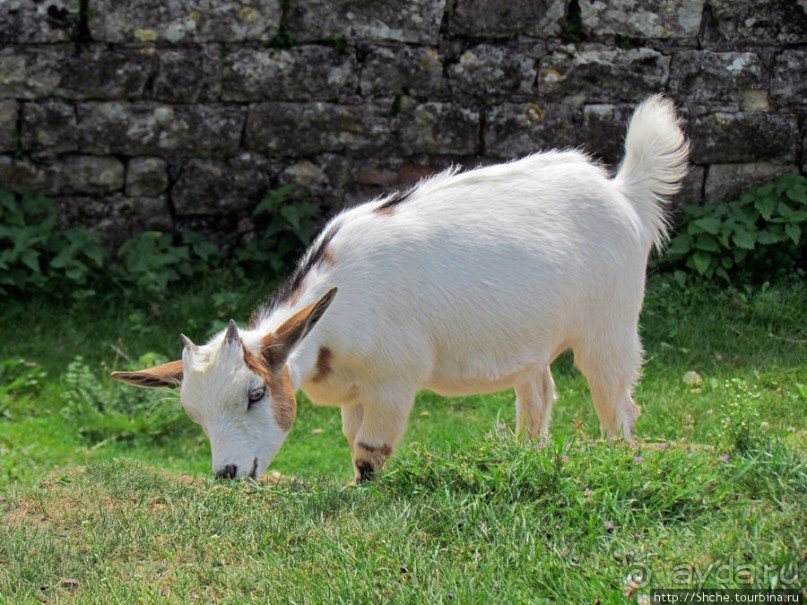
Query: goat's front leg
351	423
383	423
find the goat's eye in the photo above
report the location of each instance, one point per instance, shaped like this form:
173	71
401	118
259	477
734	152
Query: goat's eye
255	395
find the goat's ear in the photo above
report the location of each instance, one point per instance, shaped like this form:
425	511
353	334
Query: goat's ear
278	345
165	375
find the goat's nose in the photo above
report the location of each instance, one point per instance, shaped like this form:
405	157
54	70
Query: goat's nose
228	472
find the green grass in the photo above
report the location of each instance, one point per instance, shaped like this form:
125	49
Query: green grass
105	494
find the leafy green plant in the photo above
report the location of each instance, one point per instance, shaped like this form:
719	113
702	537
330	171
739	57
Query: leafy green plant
18	376
34	255
151	261
752	239
105	410
287	228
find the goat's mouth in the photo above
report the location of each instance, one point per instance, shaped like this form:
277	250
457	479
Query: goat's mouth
254	472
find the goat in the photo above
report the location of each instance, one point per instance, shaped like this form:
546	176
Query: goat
470	282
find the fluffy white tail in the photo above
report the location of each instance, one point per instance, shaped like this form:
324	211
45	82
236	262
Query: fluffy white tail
655	163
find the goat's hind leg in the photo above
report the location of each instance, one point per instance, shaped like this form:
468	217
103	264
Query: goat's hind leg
534	399
611	364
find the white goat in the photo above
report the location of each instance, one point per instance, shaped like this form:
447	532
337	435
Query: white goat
471	282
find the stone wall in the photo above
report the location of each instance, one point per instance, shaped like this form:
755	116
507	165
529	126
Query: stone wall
175	114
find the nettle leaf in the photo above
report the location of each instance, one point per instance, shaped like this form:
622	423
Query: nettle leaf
693	211
30	259
797	194
707	243
770	236
744	239
702	262
785	210
96	254
794	232
710	225
293	215
766	206
274	199
680	245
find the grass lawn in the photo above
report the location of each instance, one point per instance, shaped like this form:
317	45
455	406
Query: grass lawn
105	493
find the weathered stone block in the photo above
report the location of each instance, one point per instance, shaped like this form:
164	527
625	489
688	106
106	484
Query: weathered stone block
754	23
49	128
27	21
650	19
603	75
146	177
516	129
416	71
716	77
789	80
152	129
628	75
603	131
439	128
65	175
538	18
89	174
309	180
691	189
8	125
752	99
413	21
22	176
293	129
726	182
99	73
302	73
489	71
184	20
232	186
28	72
188	75
743	137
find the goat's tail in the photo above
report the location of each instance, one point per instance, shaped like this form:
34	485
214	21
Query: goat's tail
655	163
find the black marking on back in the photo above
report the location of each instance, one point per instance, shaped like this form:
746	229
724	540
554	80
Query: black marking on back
293	282
394	200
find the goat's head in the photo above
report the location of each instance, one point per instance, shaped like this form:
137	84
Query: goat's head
238	389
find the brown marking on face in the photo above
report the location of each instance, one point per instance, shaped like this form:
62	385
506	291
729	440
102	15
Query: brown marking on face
284	404
323	364
256	365
384	449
